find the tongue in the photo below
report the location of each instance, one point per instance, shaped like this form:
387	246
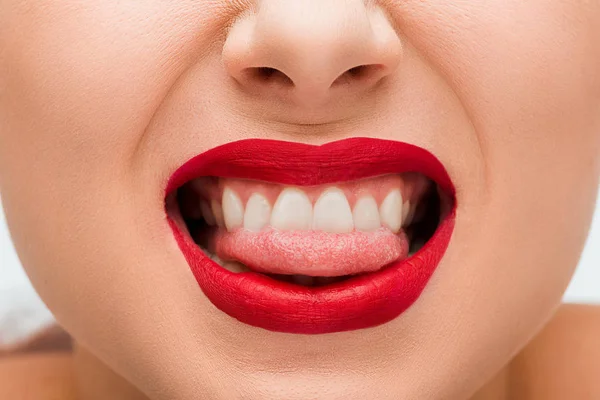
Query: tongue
313	253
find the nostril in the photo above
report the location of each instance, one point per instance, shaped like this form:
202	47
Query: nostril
267	75
359	73
264	72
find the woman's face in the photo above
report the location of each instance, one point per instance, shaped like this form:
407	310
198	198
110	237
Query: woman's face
101	101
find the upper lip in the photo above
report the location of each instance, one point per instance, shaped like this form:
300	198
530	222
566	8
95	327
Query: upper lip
302	164
364	301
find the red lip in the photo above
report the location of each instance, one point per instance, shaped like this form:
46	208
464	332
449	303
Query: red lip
364	301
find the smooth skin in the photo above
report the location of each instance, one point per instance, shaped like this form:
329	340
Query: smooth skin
100	101
562	362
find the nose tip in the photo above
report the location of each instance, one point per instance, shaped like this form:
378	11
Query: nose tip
311	51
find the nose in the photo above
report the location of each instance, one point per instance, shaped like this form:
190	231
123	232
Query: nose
311	51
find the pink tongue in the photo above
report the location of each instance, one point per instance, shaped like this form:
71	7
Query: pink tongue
311	253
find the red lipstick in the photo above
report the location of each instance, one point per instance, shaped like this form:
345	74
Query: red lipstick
362	301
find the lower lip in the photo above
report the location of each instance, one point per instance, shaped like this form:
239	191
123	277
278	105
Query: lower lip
364	301
359	302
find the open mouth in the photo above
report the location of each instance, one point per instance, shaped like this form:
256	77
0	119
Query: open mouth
310	236
312	239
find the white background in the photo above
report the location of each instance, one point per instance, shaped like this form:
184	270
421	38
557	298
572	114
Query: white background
21	311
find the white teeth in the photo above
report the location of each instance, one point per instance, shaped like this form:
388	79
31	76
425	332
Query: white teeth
233	209
390	210
207	214
332	212
292	211
366	214
258	212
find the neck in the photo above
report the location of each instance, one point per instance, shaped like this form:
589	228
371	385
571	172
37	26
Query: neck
95	381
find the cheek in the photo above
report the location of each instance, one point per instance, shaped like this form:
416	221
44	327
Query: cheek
80	81
79	84
527	75
524	71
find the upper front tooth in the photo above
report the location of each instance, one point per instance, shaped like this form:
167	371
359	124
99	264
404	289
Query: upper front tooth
332	212
390	210
292	210
258	212
233	209
366	214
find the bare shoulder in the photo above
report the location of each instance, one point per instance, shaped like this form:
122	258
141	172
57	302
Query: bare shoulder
563	361
37	376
